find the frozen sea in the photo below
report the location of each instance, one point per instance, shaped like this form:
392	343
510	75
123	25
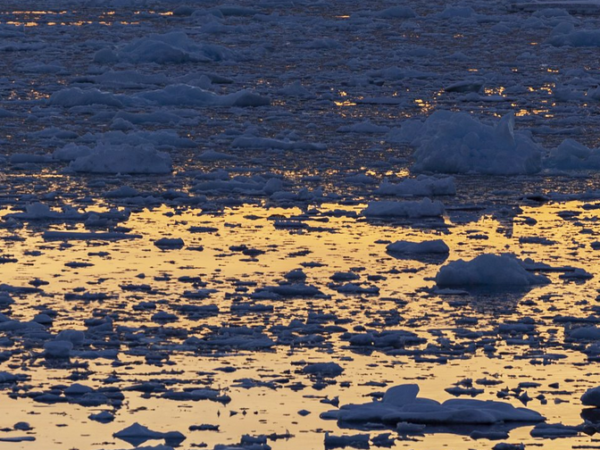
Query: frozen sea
301	224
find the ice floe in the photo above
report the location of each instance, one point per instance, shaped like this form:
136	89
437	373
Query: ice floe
109	158
488	270
449	142
400	404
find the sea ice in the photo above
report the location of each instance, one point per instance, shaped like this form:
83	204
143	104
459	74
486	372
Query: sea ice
591	397
70	97
186	95
404	406
571	155
488	270
108	158
170	48
426	247
411	209
423	185
449	142
565	34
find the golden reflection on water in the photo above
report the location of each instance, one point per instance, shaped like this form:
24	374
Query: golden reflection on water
358	239
548	87
425	106
37	12
531	112
22	24
35	18
403	173
344	103
494	91
32	94
340	243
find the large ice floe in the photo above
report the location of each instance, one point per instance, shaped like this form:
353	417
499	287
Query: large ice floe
488	270
170	48
108	158
400	405
186	95
449	142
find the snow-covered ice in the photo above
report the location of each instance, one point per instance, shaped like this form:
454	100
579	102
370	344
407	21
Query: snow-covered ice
449	142
488	270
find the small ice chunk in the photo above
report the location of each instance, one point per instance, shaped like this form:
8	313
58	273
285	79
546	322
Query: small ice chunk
355	441
553	430
57	349
6	377
76	337
22	426
426	247
396	12
102	417
329	369
591	397
507	446
137	434
78	389
137	431
169	243
411	209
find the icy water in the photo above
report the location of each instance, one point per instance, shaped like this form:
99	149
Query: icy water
195	239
